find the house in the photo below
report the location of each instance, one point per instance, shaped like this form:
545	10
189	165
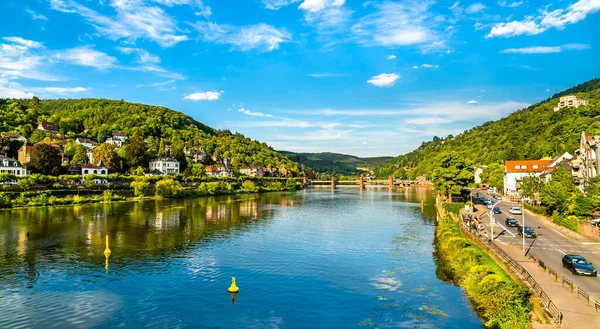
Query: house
47	126
586	162
570	101
117	138
477	173
562	161
515	171
165	165
422	180
90	155
24	153
197	155
253	171
218	171
15	137
98	170
12	166
85	142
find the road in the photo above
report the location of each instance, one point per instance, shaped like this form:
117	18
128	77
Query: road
549	246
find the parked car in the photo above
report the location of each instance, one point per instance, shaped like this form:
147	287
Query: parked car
512	222
529	232
515	211
490	205
497	197
578	265
497	210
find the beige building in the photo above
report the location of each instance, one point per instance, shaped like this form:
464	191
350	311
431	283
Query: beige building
570	101
166	165
586	163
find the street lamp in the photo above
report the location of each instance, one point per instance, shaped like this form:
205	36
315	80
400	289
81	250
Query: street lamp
523	227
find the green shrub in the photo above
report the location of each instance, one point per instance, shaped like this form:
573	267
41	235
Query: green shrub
168	188
249	186
537	209
570	222
291	184
454	207
5	201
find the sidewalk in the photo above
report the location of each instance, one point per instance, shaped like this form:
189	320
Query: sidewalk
576	313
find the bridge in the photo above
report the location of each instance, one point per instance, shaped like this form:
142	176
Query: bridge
362	183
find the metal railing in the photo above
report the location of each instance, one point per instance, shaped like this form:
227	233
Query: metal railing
568	282
522	273
584	294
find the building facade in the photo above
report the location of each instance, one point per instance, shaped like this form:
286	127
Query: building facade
117	139
97	170
165	165
570	101
515	171
12	166
253	171
586	163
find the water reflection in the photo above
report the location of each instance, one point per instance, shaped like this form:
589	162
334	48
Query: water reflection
318	258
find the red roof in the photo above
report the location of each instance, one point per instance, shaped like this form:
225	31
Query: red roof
588	138
526	166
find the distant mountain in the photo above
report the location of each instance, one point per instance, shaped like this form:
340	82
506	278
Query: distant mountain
335	163
530	133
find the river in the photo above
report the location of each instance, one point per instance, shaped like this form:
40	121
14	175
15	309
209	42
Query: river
310	259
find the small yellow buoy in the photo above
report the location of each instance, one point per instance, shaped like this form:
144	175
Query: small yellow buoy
233	288
107	250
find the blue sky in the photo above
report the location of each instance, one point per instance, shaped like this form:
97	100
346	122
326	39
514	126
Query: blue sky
360	77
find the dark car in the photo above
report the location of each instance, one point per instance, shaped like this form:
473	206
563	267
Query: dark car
529	232
497	210
578	265
512	222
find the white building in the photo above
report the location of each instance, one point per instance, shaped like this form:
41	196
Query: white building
570	101
85	142
253	171
165	165
12	166
98	170
477	173
117	139
515	171
586	163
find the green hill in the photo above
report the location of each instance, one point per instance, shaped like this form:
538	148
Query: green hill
530	133
98	118
335	163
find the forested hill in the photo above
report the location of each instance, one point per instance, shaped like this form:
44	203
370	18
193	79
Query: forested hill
530	133
335	163
98	118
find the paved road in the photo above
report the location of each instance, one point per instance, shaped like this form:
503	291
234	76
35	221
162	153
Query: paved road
549	246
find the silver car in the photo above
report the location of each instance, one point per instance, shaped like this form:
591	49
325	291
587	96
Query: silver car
515	211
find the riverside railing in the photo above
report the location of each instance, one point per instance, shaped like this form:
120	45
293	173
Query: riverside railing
520	271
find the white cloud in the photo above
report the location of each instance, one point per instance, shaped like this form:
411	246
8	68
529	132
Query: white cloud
11	89
60	90
261	37
426	66
475	8
204	96
327	75
86	56
473	102
558	18
277	4
326	16
134	19
203	10
144	56
547	90
426	121
19	61
254	114
35	15
545	49
318	5
391	57
24	42
384	79
398	24
510	4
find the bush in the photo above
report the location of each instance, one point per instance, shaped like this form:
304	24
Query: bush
168	188
291	184
249	186
537	209
209	188
140	186
276	186
453	207
5	201
40	200
570	222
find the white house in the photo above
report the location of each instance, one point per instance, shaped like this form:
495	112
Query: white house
515	171
98	170
166	165
570	101
12	166
85	142
254	171
117	138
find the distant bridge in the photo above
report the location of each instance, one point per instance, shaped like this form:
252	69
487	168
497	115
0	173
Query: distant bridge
362	183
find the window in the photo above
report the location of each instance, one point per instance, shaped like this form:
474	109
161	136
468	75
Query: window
517	167
524	167
95	171
102	171
535	167
85	171
18	172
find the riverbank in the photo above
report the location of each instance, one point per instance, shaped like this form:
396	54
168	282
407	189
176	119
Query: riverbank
500	300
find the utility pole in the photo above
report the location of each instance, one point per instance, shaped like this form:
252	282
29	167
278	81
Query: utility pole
523	227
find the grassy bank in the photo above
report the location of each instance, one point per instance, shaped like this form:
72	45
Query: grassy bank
503	302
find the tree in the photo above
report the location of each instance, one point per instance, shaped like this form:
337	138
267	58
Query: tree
79	156
250	186
108	154
556	193
135	153
197	170
5	143
140	186
530	186
291	184
493	175
38	136
168	188
45	159
453	173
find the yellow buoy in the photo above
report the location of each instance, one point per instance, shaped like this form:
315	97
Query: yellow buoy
107	250
233	288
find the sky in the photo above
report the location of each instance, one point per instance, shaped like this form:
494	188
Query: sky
368	78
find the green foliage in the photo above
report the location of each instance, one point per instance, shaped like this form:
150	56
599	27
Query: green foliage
530	186
570	222
453	173
249	186
291	184
79	155
210	188
334	163
528	134
453	207
45	159
108	154
168	188
493	175
5	201
7	177
140	186
556	194
135	152
503	302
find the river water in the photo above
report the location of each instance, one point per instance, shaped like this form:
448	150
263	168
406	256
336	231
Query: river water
311	259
